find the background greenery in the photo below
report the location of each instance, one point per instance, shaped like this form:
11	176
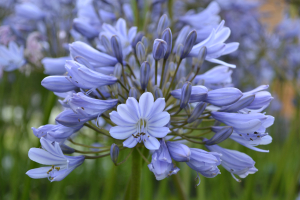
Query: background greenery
24	103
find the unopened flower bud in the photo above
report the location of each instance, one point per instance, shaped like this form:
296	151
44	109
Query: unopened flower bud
114	153
179	51
136	39
198	110
106	44
158	93
66	149
159	49
84	28
118	70
140	52
145	43
179	152
222	133
133	93
144	74
116	48
167	36
201	57
186	92
189	43
163	23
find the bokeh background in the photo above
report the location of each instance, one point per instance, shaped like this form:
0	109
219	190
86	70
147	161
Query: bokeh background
24	103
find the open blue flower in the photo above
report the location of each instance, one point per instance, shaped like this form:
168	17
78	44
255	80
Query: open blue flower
142	121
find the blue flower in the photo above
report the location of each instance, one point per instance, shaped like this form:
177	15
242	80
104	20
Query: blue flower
59	165
161	164
142	121
234	161
11	58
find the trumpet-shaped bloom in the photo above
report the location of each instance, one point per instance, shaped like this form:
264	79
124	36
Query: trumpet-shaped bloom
142	121
11	58
206	163
234	161
126	36
88	106
59	165
161	164
215	45
86	78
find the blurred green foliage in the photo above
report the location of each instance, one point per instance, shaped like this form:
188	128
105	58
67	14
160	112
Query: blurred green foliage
25	103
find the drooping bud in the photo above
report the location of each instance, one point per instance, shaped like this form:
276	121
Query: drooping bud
144	74
159	49
167	36
140	52
179	152
58	84
186	92
116	48
114	153
201	57
222	133
66	149
158	93
163	23
118	70
106	44
189	43
145	43
133	93
197	112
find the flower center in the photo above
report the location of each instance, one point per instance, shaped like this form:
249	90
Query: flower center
141	128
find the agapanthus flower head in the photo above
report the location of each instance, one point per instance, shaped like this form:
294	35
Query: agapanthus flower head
151	90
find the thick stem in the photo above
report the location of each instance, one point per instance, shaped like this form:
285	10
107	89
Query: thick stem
136	169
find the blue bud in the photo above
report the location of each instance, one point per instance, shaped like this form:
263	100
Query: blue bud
106	44
140	52
186	92
189	43
118	71
114	153
54	66
167	36
84	28
138	37
179	152
158	93
223	96
133	93
66	149
179	52
163	23
240	104
145	43
222	133
144	74
117	48
201	57
58	84
197	112
71	119
159	49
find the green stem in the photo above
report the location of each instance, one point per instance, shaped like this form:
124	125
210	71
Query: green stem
179	187
135	175
156	63
162	73
173	78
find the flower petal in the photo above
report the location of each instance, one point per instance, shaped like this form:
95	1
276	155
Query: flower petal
146	103
130	142
158	132
122	132
152	143
159	120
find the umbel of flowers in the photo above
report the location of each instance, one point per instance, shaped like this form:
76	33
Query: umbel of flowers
150	88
